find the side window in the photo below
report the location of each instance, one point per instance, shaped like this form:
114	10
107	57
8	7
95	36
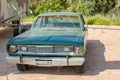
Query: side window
37	24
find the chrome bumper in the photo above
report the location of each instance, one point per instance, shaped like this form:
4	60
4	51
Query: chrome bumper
55	61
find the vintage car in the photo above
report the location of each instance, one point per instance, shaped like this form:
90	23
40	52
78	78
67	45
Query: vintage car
55	39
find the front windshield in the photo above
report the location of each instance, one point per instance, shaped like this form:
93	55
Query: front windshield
57	22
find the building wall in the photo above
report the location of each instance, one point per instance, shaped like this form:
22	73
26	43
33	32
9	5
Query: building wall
6	11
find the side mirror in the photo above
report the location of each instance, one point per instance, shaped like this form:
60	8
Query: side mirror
85	27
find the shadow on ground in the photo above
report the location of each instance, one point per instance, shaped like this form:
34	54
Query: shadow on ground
95	59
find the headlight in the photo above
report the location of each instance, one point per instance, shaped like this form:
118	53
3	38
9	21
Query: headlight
77	50
13	48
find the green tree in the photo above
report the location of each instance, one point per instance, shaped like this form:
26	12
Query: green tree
104	5
86	7
49	6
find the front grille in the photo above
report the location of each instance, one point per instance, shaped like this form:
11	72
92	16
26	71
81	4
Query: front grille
47	49
44	49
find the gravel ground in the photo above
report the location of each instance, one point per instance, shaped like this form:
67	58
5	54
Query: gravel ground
102	59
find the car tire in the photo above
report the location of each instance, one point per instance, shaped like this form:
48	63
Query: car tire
79	69
16	22
23	30
15	32
22	67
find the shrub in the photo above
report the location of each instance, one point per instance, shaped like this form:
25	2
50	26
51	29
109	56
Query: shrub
29	19
102	20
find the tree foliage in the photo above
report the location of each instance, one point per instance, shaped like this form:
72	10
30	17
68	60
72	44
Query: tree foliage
104	5
86	7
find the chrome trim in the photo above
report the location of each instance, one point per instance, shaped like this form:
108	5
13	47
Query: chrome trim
56	61
59	53
43	46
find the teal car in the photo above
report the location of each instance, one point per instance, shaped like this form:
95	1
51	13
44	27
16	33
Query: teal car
55	39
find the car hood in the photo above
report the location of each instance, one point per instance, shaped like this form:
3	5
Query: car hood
49	37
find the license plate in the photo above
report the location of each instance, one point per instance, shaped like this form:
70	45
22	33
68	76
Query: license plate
43	63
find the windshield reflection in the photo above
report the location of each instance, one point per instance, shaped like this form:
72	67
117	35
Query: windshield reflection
57	22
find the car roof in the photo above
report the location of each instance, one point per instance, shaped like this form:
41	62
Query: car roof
60	13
